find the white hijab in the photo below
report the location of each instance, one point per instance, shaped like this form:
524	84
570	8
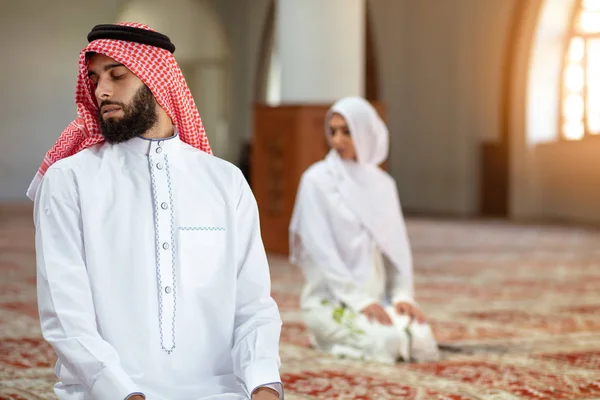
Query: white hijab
366	189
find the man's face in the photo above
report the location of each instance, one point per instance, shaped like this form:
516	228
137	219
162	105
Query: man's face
340	139
126	106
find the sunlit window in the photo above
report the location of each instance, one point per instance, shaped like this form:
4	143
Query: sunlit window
580	102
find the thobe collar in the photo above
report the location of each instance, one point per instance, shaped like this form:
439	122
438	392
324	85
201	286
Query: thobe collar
152	147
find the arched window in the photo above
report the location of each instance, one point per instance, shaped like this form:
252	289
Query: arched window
580	99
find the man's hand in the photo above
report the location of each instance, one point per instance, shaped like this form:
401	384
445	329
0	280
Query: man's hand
411	311
265	393
375	312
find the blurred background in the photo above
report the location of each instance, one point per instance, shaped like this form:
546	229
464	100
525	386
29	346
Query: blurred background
493	108
493	105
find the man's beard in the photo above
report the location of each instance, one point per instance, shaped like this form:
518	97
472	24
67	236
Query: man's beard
138	117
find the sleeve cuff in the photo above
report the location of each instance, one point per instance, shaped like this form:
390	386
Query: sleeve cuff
278	387
261	373
113	384
135	394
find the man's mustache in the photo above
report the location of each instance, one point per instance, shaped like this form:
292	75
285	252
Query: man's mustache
112	103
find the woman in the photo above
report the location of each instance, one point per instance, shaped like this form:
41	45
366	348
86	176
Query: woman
348	236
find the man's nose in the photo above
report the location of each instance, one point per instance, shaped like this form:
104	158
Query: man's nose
103	90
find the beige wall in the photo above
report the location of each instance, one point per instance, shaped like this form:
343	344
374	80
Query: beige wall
40	46
244	23
441	79
524	182
557	181
569	181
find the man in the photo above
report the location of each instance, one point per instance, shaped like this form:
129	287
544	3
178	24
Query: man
152	277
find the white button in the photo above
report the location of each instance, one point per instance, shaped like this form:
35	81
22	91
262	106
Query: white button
168	289
160	143
159	166
164	206
166	246
158	150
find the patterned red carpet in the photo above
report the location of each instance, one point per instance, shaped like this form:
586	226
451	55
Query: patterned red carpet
515	308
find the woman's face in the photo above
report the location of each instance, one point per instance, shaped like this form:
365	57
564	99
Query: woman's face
339	138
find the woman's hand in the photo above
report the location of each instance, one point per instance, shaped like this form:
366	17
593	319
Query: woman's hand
411	311
375	312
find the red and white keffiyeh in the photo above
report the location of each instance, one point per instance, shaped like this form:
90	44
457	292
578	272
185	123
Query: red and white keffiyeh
158	69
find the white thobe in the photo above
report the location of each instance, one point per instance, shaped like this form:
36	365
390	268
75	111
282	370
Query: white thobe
336	251
152	275
346	332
